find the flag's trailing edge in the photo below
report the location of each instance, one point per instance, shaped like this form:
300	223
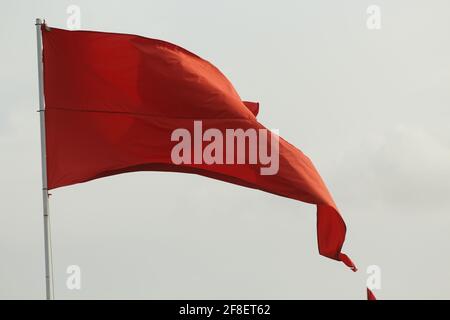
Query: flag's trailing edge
113	100
370	295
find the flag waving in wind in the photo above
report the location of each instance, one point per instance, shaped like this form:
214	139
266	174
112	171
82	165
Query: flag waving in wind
118	103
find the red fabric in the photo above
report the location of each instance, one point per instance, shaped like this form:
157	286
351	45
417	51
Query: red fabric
370	295
252	106
113	100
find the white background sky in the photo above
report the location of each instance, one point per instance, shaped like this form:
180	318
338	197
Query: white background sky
370	107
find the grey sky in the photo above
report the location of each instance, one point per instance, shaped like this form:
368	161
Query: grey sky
371	108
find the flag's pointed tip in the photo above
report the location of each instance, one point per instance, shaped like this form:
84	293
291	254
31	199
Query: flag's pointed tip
252	106
347	261
370	295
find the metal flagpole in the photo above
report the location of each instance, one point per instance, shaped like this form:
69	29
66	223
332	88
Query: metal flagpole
45	194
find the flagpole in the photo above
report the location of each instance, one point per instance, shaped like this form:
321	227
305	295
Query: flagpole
45	194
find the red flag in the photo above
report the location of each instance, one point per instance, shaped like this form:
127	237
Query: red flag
370	295
113	102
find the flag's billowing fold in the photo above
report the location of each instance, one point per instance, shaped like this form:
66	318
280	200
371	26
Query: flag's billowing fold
113	100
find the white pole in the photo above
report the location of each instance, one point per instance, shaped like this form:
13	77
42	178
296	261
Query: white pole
47	237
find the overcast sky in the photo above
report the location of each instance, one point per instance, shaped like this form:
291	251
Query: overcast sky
371	108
